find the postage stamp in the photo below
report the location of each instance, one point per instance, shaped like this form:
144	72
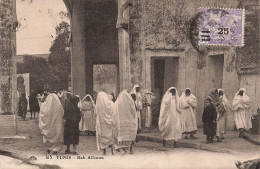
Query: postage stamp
221	26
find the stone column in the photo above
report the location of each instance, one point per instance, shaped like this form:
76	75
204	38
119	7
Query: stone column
123	42
8	23
78	45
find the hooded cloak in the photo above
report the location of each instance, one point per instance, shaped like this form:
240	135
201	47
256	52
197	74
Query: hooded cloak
169	120
222	118
72	117
138	103
188	114
88	120
241	108
124	120
104	111
51	123
215	99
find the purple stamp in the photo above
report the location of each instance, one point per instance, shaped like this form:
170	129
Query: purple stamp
221	26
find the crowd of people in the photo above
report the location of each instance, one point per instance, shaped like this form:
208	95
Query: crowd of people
178	117
116	121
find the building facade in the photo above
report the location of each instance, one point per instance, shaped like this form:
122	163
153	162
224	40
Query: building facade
155	44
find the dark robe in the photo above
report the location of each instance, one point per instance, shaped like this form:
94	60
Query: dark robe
22	106
216	101
155	106
72	116
208	118
33	103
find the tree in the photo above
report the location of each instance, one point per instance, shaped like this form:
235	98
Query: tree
38	68
59	59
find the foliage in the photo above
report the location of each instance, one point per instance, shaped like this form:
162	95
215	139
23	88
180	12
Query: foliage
38	68
54	72
63	14
59	59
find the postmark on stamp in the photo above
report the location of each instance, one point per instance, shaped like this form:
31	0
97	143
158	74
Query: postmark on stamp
221	26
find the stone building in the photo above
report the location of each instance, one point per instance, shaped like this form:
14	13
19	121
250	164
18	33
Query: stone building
155	43
151	42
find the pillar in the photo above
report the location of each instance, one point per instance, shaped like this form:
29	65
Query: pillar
8	83
123	42
78	45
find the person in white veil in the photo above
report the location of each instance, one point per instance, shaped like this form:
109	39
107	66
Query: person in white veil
188	102
88	120
139	104
221	119
241	108
124	122
51	123
104	112
169	120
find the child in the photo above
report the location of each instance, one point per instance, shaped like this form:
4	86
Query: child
209	120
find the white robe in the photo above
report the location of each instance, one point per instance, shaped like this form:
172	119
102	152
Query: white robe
169	120
149	97
188	116
51	122
124	120
139	104
221	120
88	120
104	111
241	108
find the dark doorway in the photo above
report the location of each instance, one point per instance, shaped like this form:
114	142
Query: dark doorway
164	73
159	68
215	69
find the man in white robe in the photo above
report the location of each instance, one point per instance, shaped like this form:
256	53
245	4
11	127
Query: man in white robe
188	102
104	111
221	118
139	104
241	108
124	121
169	120
51	123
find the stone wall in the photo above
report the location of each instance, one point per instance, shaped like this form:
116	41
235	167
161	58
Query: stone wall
105	78
167	28
94	40
101	33
8	23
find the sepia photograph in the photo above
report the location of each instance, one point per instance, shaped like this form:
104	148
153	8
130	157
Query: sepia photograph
130	84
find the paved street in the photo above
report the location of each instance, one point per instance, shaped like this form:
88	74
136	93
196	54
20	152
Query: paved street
147	154
231	143
144	158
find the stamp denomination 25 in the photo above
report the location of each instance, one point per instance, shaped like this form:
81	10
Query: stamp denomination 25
221	26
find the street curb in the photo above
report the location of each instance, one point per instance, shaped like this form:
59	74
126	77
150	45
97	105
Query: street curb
182	144
22	137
